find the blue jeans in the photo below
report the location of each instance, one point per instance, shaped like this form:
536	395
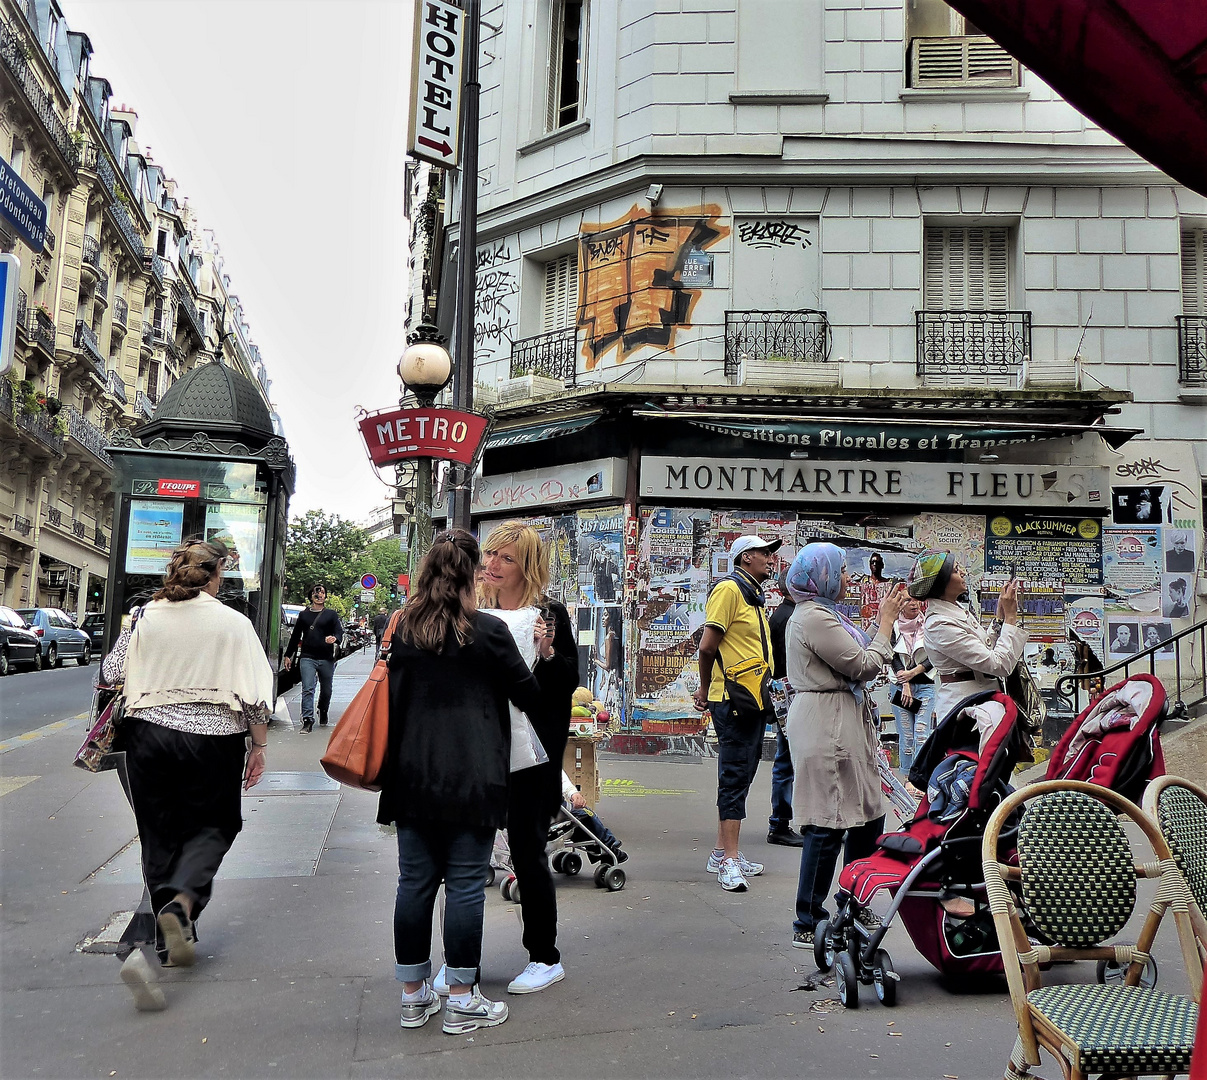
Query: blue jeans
819	857
913	728
782	777
323	671
458	855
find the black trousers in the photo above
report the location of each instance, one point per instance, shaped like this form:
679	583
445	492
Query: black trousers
529	814
186	793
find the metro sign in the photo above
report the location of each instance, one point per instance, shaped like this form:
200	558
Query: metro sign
395	434
435	117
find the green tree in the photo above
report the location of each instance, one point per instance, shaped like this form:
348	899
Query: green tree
323	550
385	561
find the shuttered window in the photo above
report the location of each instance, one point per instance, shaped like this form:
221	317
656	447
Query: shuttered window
567	53
966	269
559	308
1194	271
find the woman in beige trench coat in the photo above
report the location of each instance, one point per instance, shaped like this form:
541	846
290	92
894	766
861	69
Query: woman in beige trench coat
832	727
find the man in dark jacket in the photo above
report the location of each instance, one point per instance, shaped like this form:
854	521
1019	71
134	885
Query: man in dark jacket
779	825
319	632
380	622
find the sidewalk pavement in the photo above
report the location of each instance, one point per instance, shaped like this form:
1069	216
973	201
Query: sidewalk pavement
670	977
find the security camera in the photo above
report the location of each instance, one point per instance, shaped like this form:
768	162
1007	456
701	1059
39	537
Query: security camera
654	193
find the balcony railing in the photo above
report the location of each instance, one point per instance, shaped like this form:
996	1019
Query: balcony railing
50	241
802	336
12	55
117	387
43	331
126	227
192	315
144	405
54	515
79	529
87	434
22	311
121	311
22	525
102	287
553	355
91	255
86	341
153	264
1192	350
972	347
37	425
100	539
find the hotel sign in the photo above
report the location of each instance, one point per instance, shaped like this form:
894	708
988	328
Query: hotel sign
850	483
435	118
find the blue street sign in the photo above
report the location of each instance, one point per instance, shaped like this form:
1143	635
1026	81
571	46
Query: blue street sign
10	273
22	207
368	581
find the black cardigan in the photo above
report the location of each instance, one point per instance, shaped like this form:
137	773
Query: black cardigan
450	728
558	678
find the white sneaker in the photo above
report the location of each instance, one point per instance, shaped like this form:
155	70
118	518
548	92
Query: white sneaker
416	1013
730	876
715	858
536	977
749	869
440	982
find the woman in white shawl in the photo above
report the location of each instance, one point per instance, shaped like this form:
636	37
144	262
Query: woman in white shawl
198	691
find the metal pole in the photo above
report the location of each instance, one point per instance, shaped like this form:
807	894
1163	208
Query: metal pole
463	367
421	519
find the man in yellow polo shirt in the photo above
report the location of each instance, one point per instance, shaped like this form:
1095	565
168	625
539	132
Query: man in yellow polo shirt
735	630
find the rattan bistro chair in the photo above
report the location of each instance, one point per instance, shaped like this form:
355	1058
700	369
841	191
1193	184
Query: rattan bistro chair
1179	808
1076	881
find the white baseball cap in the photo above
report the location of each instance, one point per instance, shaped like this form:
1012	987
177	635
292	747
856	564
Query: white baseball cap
748	543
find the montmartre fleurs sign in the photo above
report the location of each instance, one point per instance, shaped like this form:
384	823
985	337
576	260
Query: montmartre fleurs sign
840	483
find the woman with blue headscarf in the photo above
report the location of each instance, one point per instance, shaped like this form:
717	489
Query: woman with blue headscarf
832	726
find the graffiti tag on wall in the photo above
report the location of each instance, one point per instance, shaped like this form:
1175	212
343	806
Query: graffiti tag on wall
630	292
774	234
495	296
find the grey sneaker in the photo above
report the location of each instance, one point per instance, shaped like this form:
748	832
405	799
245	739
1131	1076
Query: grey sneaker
415	1013
479	1013
730	876
749	869
868	919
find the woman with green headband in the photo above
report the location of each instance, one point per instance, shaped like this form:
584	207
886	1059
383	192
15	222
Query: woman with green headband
967	658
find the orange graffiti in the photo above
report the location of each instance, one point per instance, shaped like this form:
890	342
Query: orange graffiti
630	294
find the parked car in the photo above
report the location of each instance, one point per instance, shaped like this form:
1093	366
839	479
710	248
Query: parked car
18	643
94	626
61	638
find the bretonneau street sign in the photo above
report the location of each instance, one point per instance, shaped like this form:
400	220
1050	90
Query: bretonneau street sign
435	117
396	434
21	205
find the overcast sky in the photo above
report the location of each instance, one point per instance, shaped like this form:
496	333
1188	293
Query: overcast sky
284	124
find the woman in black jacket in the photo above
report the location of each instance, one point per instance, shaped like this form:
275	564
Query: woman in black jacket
515	574
453	671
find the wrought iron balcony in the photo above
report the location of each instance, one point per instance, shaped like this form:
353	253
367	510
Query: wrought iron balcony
801	336
153	265
100	539
1192	350
554	355
972	347
129	233
87	434
22	525
50	241
22	311
79	529
91	255
102	287
38	425
43	332
144	405
117	387
13	57
87	343
54	515
192	315
121	312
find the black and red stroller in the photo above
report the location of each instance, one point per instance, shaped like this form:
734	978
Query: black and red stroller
933	863
1116	741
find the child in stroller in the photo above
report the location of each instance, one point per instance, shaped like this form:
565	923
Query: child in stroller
932	866
576	831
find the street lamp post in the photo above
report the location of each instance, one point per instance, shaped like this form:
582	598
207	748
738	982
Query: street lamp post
424	369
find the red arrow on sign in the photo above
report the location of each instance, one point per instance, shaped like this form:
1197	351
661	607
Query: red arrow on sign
443	147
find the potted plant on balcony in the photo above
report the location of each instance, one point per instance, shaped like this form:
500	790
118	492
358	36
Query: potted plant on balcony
52	405
59	425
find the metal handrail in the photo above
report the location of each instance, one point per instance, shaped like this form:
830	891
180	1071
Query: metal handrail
1067	688
800	335
553	355
972	342
1192	350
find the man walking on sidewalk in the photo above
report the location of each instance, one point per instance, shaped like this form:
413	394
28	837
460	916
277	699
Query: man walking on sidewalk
380	621
319	632
779	825
736	637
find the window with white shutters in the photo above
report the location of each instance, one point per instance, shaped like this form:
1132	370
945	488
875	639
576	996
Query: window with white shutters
1194	272
966	269
559	308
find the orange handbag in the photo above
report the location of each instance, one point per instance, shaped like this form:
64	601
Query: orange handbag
356	752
